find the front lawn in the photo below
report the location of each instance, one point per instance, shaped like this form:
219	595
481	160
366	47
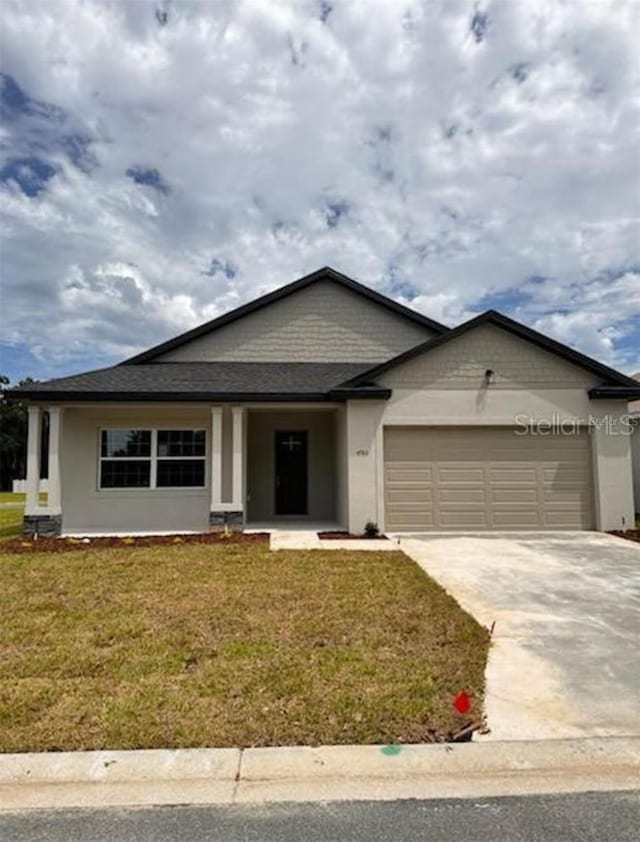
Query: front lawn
12	497
19	497
228	645
11	514
10	521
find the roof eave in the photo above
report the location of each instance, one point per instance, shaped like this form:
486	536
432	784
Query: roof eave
627	393
194	397
377	393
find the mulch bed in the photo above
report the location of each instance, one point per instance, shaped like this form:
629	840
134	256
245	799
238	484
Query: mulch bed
341	536
629	534
65	545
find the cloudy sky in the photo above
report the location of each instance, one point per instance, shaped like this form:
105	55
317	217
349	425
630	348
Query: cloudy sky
166	161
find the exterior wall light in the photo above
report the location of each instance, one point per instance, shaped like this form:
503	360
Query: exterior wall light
489	377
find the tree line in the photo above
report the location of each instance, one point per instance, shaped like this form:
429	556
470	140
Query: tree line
13	437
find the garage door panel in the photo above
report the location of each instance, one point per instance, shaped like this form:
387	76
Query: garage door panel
575	503
561	519
415	474
463	520
410	495
555	496
407	521
486	478
520	519
447	474
513	474
464	496
564	477
527	496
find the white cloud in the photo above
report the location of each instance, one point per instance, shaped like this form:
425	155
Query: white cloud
390	140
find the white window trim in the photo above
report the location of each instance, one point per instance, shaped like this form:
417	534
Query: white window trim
153	459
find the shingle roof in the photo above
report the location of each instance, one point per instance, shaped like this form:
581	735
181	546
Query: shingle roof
201	381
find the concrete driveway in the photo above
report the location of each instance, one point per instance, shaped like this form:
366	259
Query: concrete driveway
564	660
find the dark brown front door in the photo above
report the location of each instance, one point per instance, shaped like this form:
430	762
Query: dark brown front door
291	472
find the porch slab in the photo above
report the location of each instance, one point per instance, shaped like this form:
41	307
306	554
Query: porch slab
290	538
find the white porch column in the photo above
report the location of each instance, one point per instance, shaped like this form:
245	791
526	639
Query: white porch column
237	497
54	497
33	459
216	458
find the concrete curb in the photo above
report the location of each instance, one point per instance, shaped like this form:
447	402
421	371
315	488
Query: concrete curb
327	773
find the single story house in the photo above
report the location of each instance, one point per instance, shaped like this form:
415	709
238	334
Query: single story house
326	402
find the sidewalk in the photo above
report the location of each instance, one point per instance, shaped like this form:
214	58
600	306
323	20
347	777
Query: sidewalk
327	773
308	539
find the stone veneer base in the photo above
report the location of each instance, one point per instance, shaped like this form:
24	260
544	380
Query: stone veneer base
46	526
218	521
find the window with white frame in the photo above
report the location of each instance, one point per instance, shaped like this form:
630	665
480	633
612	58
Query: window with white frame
154	458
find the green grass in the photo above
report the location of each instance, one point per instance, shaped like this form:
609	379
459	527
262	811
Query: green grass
19	497
207	645
11	517
10	497
10	522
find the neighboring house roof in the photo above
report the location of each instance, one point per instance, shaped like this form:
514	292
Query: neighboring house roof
324	274
616	385
195	381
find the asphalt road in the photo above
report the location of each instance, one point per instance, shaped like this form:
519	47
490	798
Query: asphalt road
549	818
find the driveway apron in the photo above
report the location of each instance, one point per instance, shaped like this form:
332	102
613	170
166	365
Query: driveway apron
566	607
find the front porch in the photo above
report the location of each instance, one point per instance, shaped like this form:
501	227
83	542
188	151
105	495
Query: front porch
43	517
259	467
284	525
295	468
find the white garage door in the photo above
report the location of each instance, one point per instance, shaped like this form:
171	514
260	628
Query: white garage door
485	478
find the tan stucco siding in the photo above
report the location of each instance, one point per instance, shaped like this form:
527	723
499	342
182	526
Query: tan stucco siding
462	363
446	387
322	323
610	442
487	405
364	426
635	458
342	467
612	459
87	509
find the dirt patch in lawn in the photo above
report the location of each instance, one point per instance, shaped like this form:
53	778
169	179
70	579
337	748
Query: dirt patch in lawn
629	534
338	536
65	545
228	644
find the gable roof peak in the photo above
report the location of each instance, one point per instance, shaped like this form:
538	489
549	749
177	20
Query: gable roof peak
324	273
609	375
